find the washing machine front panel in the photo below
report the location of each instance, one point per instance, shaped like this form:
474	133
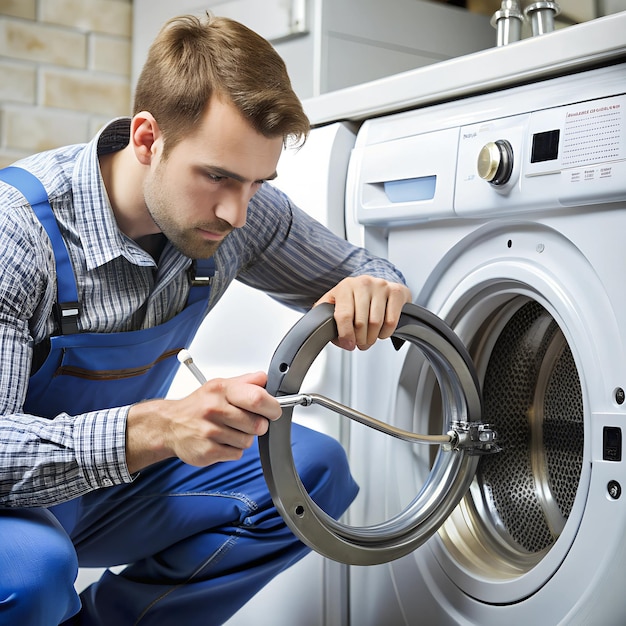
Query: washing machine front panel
528	271
489	561
549	350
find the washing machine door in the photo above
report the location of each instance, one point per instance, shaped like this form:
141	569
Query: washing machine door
463	440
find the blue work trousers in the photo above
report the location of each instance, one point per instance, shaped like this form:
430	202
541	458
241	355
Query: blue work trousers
199	542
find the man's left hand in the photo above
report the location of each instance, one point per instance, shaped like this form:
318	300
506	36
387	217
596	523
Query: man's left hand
366	309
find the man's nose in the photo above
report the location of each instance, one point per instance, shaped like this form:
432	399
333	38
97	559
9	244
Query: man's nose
233	207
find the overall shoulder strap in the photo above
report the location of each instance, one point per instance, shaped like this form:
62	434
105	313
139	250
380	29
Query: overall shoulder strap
202	272
67	308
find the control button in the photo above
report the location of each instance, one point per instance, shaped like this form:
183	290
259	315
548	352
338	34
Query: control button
614	489
612	443
495	162
488	161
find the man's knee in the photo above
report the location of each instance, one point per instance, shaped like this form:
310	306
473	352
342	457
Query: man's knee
39	567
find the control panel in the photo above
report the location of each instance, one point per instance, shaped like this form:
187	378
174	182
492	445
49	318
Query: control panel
458	161
565	156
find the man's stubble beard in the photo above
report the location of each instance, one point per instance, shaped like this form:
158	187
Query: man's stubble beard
187	241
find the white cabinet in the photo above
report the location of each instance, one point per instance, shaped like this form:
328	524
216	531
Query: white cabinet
330	44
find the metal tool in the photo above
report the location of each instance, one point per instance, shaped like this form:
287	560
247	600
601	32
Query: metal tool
184	356
477	438
307	399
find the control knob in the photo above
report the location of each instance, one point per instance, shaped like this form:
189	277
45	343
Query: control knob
495	162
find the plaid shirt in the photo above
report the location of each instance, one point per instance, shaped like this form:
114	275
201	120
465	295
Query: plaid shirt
280	250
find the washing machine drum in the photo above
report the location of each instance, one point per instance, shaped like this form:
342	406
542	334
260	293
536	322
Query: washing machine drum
521	499
452	471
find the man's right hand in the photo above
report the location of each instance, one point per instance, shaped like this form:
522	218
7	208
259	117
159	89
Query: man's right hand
216	422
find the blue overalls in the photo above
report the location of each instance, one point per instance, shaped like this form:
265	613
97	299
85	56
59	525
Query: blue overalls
199	541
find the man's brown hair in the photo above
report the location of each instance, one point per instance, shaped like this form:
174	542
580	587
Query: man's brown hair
193	59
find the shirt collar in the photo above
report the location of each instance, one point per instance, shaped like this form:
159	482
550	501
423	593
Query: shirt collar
101	238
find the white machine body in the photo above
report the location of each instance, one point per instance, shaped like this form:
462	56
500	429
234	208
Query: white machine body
540	534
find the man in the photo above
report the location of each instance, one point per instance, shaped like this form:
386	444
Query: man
96	299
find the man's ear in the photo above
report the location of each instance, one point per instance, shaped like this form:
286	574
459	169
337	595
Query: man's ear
145	137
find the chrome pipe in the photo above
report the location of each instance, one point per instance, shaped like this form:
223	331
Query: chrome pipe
541	15
508	22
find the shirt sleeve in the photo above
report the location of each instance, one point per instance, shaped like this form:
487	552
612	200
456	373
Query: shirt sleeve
296	259
48	461
43	461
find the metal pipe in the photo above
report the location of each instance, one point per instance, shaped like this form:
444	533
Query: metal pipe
541	15
508	22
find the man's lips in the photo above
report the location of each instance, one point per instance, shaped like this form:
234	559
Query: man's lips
212	235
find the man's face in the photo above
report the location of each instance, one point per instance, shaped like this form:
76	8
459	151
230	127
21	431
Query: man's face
201	191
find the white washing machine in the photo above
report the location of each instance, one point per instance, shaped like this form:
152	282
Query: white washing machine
506	212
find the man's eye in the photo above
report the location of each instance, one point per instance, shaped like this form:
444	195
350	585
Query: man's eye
215	178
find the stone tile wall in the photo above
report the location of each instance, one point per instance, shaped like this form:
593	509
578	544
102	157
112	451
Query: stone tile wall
65	70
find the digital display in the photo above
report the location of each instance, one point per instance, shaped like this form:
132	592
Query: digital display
545	146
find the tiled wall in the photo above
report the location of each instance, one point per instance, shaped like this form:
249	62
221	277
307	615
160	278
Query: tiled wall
64	71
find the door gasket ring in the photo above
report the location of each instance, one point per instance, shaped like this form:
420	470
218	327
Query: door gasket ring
450	475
